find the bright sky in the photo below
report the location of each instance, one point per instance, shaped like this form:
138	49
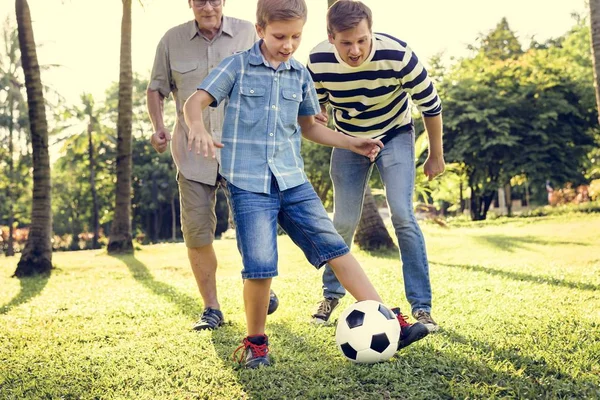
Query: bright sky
83	35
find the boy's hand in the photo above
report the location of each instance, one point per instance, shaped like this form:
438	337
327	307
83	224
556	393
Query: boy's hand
366	147
202	142
160	140
322	118
434	166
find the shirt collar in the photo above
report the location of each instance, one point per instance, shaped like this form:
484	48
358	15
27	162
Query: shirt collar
226	28
256	57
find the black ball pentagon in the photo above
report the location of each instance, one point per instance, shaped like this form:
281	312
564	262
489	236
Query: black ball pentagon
379	342
355	319
349	351
387	313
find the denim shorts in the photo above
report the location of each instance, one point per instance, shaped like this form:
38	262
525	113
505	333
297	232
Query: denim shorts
300	214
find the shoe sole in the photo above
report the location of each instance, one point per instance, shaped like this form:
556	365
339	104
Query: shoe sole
318	321
432	328
208	328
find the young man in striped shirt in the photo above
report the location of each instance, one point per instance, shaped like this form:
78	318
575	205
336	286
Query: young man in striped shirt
367	79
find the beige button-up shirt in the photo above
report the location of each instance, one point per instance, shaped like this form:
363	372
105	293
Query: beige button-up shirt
183	59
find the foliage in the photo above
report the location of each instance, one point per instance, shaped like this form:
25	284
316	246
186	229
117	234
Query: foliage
506	116
129	337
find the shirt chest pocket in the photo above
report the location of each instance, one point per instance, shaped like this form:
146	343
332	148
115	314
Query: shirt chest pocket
290	105
185	74
252	103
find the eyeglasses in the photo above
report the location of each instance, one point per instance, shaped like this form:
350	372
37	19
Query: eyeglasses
203	3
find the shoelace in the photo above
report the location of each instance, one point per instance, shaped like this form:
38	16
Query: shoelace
423	315
403	322
324	308
258	350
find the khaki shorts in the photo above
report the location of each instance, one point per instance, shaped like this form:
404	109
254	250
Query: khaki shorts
198	219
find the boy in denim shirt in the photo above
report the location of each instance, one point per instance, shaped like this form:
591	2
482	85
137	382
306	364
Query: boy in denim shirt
271	102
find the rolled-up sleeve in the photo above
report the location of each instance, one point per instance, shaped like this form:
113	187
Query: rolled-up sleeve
220	80
160	79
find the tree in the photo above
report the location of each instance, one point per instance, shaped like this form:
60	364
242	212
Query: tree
595	39
506	117
37	255
120	234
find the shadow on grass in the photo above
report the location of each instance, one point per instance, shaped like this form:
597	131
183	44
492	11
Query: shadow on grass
532	375
187	304
513	243
517	276
30	287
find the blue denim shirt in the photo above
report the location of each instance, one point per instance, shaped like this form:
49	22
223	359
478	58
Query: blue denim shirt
261	134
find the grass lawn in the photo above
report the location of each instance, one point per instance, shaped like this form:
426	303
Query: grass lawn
518	303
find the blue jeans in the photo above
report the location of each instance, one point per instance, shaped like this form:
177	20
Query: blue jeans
350	174
298	211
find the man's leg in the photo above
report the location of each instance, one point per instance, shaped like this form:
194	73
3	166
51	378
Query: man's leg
350	174
198	223
396	165
203	261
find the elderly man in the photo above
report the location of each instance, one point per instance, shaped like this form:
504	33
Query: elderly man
184	57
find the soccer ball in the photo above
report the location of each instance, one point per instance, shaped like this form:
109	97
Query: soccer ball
367	332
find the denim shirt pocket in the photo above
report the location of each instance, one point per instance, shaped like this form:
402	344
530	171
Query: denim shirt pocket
290	105
252	103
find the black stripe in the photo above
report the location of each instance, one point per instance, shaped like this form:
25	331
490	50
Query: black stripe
380	91
359	129
412	63
391	37
425	93
419	79
380	112
327	57
392	55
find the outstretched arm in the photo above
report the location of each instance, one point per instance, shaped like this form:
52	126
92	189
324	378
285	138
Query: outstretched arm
316	132
198	137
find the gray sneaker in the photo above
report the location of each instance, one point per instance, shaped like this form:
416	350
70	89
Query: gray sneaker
326	307
425	318
210	319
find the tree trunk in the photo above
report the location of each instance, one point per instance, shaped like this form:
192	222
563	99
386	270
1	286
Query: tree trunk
372	233
95	218
595	35
10	250
508	199
120	234
37	255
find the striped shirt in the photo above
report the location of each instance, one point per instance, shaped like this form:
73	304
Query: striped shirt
371	100
261	135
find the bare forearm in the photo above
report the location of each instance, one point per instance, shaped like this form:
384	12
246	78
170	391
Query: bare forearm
194	106
155	104
322	135
433	125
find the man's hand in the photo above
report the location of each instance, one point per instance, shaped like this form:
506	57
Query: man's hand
366	147
322	118
202	142
160	140
434	166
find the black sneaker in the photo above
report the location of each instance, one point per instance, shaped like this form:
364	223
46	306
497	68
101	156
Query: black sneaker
211	319
425	318
326	307
273	303
255	351
409	333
